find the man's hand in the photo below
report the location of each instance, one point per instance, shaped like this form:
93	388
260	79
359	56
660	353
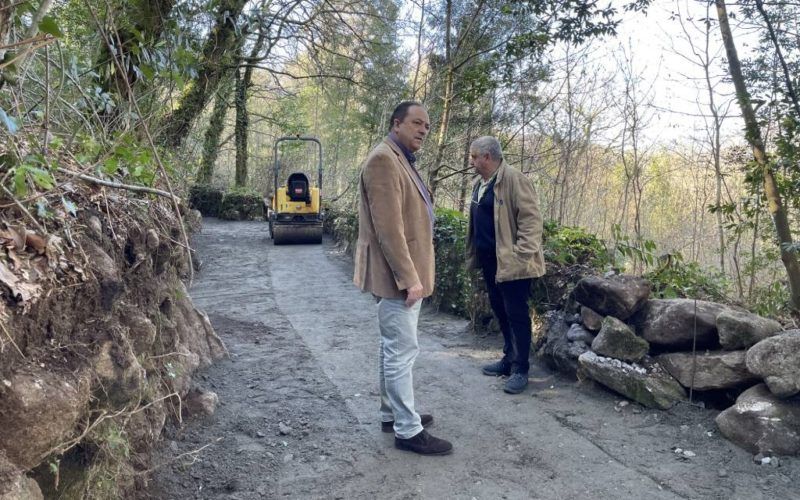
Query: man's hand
413	295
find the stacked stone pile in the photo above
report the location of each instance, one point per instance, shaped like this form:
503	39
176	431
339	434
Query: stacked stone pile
654	350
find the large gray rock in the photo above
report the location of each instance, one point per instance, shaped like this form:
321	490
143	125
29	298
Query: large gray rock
590	319
617	340
761	423
117	369
39	409
107	273
618	296
777	360
713	370
141	331
671	323
558	351
740	329
650	386
201	402
22	488
577	333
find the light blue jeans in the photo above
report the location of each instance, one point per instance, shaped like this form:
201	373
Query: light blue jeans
399	349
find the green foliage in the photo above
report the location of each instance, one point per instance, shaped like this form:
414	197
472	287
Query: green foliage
675	278
49	25
453	287
110	470
639	253
769	295
787	149
566	245
342	225
34	172
545	22
241	205
207	199
771	300
131	160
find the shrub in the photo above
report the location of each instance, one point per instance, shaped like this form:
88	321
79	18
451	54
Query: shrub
342	225
206	199
453	285
571	254
567	245
675	278
241	205
771	300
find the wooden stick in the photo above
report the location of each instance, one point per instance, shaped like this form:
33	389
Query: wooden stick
24	210
119	185
3	326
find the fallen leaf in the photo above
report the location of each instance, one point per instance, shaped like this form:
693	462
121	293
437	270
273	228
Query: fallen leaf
21	291
18	238
15	258
53	250
7	277
36	242
6	238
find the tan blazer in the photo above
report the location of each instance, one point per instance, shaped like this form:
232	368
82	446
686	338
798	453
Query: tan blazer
395	237
517	228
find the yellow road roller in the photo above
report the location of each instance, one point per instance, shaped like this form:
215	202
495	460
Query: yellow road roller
295	216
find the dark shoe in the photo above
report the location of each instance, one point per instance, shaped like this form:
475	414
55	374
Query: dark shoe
424	444
497	369
389	426
516	383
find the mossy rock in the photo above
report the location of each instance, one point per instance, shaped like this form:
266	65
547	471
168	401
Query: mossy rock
241	206
207	199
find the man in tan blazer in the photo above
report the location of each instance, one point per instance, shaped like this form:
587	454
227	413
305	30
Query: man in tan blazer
394	261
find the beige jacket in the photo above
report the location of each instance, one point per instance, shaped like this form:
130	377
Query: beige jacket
517	227
395	238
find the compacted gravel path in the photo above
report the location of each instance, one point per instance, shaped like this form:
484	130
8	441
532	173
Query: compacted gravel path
298	414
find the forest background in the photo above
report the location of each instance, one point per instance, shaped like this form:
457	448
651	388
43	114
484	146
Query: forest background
651	140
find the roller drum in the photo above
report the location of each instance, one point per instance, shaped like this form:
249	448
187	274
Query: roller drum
295	234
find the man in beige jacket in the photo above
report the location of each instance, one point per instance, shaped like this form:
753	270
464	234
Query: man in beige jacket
504	240
394	261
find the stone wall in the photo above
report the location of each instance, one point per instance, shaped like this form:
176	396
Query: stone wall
659	351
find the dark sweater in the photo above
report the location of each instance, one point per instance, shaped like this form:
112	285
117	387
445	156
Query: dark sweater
482	213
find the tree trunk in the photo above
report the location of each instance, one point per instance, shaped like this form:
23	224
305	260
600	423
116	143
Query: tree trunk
218	55
464	191
444	121
441	135
213	133
414	89
243	78
240	133
753	136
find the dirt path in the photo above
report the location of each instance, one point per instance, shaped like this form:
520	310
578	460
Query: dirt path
298	414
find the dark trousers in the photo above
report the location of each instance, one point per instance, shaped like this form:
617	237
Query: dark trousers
509	301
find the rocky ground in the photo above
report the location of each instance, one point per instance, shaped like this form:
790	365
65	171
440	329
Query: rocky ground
297	415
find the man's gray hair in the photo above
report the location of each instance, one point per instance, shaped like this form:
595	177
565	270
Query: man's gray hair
488	145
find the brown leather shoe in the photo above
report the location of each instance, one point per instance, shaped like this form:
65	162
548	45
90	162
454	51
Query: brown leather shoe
389	426
424	444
